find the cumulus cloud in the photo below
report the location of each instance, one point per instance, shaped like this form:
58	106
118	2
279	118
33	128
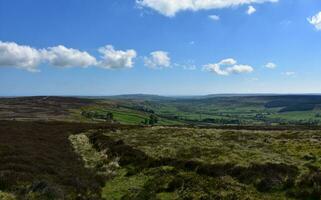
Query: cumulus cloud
116	59
29	58
228	61
171	7
250	10
238	69
271	65
214	17
315	21
67	57
157	60
14	55
230	67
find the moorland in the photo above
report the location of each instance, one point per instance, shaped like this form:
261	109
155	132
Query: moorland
155	147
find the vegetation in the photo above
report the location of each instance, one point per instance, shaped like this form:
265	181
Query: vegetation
39	162
109	116
160	148
181	163
137	110
98	161
234	110
6	196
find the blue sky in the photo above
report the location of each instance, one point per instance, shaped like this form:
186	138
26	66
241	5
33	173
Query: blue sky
108	47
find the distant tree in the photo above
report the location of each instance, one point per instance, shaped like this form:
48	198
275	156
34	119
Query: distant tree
153	119
146	121
109	116
88	114
260	116
96	115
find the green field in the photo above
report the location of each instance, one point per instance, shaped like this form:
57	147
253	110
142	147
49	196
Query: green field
243	110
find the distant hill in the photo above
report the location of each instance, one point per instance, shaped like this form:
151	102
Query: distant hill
208	96
145	97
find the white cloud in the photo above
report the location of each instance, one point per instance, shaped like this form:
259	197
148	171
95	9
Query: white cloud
216	69
14	55
238	69
116	59
315	21
67	57
214	17
28	58
158	59
171	7
250	10
228	61
271	65
231	67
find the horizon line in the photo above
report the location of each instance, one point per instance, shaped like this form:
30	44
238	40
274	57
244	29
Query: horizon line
159	95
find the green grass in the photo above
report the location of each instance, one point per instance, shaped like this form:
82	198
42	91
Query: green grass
233	108
228	164
119	187
221	146
127	116
303	115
